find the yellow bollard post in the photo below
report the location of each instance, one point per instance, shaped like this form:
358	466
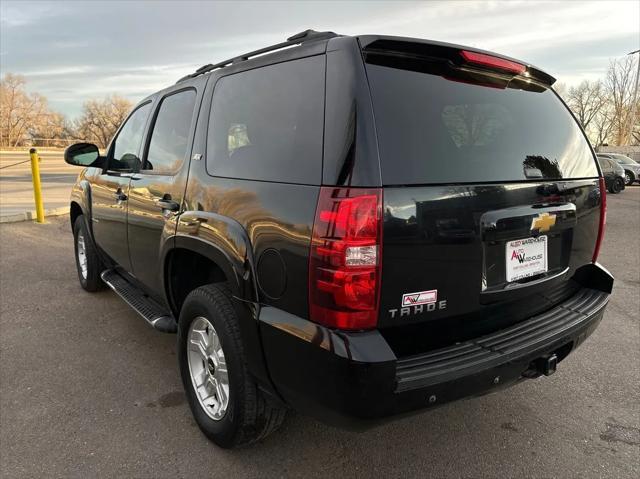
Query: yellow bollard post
37	189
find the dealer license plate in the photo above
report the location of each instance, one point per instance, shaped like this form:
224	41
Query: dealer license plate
526	258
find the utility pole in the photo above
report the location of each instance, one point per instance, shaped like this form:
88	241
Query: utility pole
635	98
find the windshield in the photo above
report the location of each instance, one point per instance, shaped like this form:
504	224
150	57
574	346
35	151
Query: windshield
439	128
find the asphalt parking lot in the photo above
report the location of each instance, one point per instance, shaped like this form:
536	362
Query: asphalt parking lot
89	390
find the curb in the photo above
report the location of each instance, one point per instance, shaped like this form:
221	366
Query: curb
31	215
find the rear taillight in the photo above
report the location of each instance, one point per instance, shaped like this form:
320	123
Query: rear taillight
345	258
489	61
603	219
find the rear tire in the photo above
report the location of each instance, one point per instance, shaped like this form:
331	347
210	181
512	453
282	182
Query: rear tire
88	264
616	186
228	406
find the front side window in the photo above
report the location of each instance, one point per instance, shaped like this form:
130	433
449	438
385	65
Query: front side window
126	146
170	135
267	123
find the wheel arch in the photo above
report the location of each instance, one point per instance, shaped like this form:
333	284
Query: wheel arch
189	262
223	264
75	210
80	204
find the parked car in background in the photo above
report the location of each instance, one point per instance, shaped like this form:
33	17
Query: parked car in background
614	175
631	166
312	258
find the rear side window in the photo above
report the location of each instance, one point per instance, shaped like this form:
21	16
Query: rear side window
170	135
434	129
267	123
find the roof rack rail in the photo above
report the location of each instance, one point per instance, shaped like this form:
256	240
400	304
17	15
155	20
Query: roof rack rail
298	38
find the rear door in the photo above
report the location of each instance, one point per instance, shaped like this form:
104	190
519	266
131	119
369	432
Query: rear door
491	197
110	189
157	190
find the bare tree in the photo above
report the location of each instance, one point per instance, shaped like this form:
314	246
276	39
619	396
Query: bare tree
100	119
49	128
620	83
26	118
602	126
20	111
586	101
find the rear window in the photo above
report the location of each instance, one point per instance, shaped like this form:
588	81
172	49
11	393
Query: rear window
433	129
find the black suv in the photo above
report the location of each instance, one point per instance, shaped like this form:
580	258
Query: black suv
355	227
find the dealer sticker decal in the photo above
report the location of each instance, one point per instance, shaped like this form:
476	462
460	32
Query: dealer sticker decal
421	297
526	257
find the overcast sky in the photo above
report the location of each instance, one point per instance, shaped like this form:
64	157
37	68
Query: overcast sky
73	51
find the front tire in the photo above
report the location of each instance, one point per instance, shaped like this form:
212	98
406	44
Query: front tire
224	399
628	178
88	263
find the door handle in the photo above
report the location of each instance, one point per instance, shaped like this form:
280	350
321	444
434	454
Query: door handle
120	196
167	204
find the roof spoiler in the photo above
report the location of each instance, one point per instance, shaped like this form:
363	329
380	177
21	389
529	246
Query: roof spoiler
457	54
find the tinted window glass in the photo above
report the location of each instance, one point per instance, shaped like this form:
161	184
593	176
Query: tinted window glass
170	136
126	146
267	123
432	129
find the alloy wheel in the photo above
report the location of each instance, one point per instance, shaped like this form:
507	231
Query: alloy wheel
82	255
208	368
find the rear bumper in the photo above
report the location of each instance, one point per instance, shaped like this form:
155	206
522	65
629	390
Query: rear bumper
353	379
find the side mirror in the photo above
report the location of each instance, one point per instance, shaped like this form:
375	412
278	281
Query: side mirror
83	154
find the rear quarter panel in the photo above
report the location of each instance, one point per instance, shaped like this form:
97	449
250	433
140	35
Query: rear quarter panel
276	217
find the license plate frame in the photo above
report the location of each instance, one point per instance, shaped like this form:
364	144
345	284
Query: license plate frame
526	257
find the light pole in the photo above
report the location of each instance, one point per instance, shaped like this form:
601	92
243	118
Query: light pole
635	98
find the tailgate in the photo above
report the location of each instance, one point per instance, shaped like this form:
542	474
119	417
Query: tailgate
455	243
491	195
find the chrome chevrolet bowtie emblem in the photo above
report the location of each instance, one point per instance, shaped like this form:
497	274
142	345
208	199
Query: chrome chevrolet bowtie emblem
543	222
